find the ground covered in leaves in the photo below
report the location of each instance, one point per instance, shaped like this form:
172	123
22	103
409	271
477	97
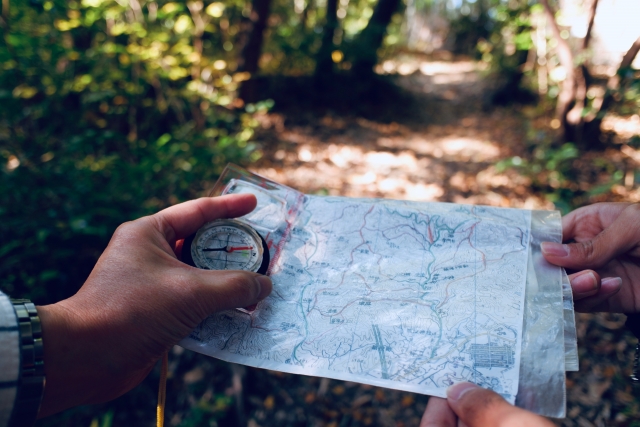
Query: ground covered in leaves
437	138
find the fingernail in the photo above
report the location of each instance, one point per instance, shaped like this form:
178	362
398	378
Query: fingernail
612	282
555	249
456	391
265	287
585	283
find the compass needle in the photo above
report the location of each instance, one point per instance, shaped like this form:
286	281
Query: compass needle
215	249
241	248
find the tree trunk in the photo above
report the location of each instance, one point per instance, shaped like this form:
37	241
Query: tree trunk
251	39
576	128
566	97
366	45
572	98
305	15
324	62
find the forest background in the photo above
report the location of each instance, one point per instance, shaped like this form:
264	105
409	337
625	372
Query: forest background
114	109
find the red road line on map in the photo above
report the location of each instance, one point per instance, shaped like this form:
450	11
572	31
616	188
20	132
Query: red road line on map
285	234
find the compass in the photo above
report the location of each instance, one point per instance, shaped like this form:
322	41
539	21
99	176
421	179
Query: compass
227	244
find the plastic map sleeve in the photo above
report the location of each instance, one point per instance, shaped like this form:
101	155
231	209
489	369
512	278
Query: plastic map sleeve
543	362
405	295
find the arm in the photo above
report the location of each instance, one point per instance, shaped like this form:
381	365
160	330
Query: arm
138	302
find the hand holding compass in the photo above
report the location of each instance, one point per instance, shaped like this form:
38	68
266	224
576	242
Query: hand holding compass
138	302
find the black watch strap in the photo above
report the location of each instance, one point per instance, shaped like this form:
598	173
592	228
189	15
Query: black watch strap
633	324
31	381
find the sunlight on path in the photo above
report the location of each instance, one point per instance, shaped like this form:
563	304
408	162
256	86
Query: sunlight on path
448	154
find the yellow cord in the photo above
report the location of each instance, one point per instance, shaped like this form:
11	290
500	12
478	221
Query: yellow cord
162	391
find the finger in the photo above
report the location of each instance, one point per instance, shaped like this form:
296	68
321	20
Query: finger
477	407
179	221
600	301
584	284
438	414
227	289
590	220
620	237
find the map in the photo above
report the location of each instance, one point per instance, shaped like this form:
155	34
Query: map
406	295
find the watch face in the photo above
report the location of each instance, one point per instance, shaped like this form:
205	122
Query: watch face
228	245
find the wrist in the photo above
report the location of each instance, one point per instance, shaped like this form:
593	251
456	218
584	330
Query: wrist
79	357
64	363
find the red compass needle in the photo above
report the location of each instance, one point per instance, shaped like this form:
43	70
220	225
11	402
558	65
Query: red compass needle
240	248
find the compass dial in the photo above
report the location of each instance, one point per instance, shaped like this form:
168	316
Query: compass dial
228	245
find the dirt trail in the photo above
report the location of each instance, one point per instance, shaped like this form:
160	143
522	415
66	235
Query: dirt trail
444	150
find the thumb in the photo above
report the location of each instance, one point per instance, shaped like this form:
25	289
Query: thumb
227	289
477	407
621	236
590	254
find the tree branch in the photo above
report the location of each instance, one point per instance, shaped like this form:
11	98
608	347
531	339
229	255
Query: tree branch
614	81
564	50
603	103
631	54
592	18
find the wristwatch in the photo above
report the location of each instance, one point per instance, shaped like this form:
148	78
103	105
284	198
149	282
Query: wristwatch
31	381
633	324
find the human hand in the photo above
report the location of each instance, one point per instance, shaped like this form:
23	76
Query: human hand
607	246
138	302
468	405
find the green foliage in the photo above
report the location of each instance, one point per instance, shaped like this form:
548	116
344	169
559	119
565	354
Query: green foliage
208	410
629	95
551	170
105	421
294	37
107	113
510	33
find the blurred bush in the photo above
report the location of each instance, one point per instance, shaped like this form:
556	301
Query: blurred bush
551	171
566	176
108	111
